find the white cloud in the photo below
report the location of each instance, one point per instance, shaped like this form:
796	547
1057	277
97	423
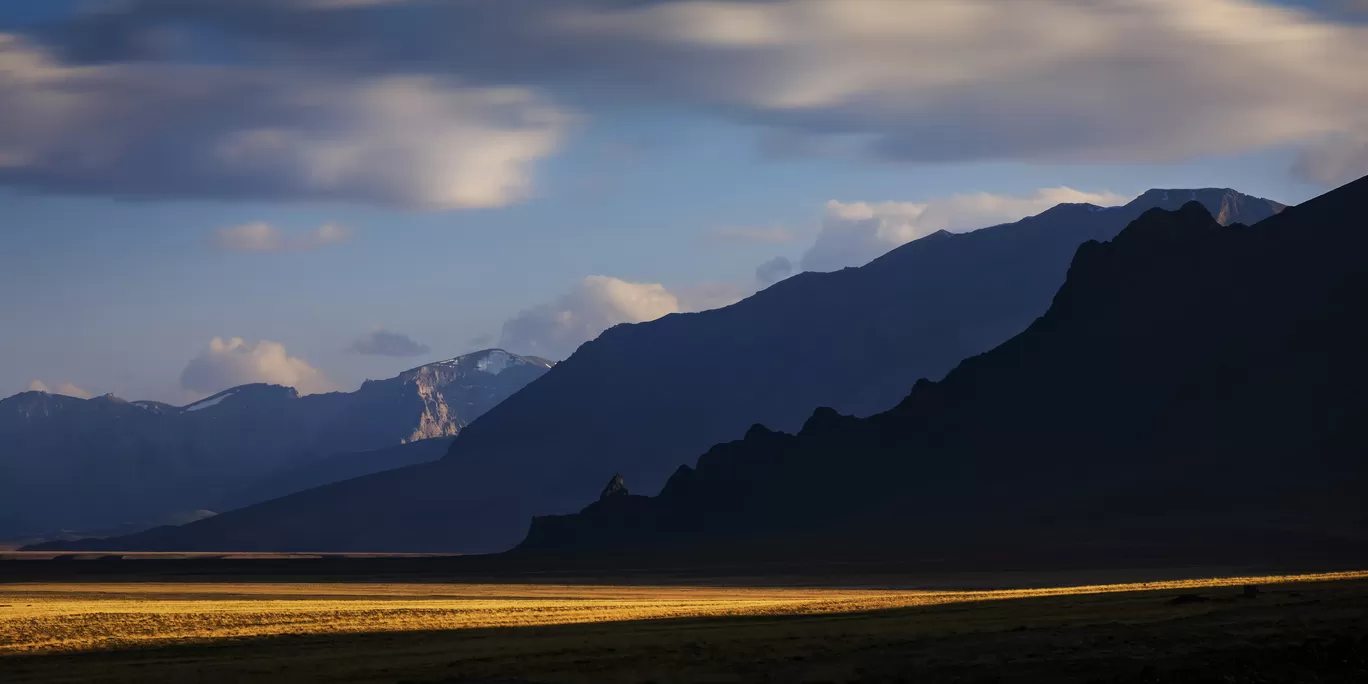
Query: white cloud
262	237
853	233
65	389
186	129
593	305
232	362
1335	160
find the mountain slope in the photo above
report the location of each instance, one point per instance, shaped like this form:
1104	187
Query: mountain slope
1192	389
338	467
641	399
68	463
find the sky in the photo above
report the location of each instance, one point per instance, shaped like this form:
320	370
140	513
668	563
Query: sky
196	194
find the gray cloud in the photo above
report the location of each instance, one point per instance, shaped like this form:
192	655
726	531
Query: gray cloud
273	131
232	362
1335	160
386	343
774	270
1047	80
261	237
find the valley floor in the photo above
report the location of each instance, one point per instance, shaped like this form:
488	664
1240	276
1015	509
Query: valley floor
1293	629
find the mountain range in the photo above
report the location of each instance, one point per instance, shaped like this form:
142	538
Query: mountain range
80	464
1192	389
644	398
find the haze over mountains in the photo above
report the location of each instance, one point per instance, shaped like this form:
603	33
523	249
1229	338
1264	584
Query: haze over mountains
82	464
1192	387
643	399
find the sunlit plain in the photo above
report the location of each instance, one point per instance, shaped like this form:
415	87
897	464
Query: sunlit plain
47	617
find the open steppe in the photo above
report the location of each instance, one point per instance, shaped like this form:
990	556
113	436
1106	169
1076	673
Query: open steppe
1291	628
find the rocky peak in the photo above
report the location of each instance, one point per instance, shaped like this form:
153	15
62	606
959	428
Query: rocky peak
615	488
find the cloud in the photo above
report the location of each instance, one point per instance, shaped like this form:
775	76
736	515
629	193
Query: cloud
262	237
270	132
774	270
925	81
65	389
856	232
707	296
1334	161
481	341
1048	80
386	343
232	362
740	235
593	305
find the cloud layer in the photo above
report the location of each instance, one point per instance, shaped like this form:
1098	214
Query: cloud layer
448	104
65	389
853	233
386	343
774	270
179	128
262	237
593	305
232	362
1335	160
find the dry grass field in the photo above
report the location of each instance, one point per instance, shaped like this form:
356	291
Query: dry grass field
47	617
286	632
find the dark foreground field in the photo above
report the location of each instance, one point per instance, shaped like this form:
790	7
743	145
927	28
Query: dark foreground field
1289	630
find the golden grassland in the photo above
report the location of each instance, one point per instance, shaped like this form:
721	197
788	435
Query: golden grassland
51	617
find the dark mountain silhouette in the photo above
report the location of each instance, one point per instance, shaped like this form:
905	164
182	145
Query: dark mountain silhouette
1191	386
68	463
643	398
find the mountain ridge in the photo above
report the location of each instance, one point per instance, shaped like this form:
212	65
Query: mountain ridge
666	390
1157	405
110	462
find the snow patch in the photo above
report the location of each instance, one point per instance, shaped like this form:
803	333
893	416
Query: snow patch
210	402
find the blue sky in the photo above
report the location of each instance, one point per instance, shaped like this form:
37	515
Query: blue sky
609	160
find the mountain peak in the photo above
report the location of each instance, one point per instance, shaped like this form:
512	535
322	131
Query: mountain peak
1226	205
492	361
615	487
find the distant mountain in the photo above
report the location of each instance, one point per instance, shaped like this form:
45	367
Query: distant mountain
68	463
643	398
1193	389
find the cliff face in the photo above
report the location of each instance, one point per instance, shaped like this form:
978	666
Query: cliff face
448	395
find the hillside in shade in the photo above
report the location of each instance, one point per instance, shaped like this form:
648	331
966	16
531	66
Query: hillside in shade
1193	388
